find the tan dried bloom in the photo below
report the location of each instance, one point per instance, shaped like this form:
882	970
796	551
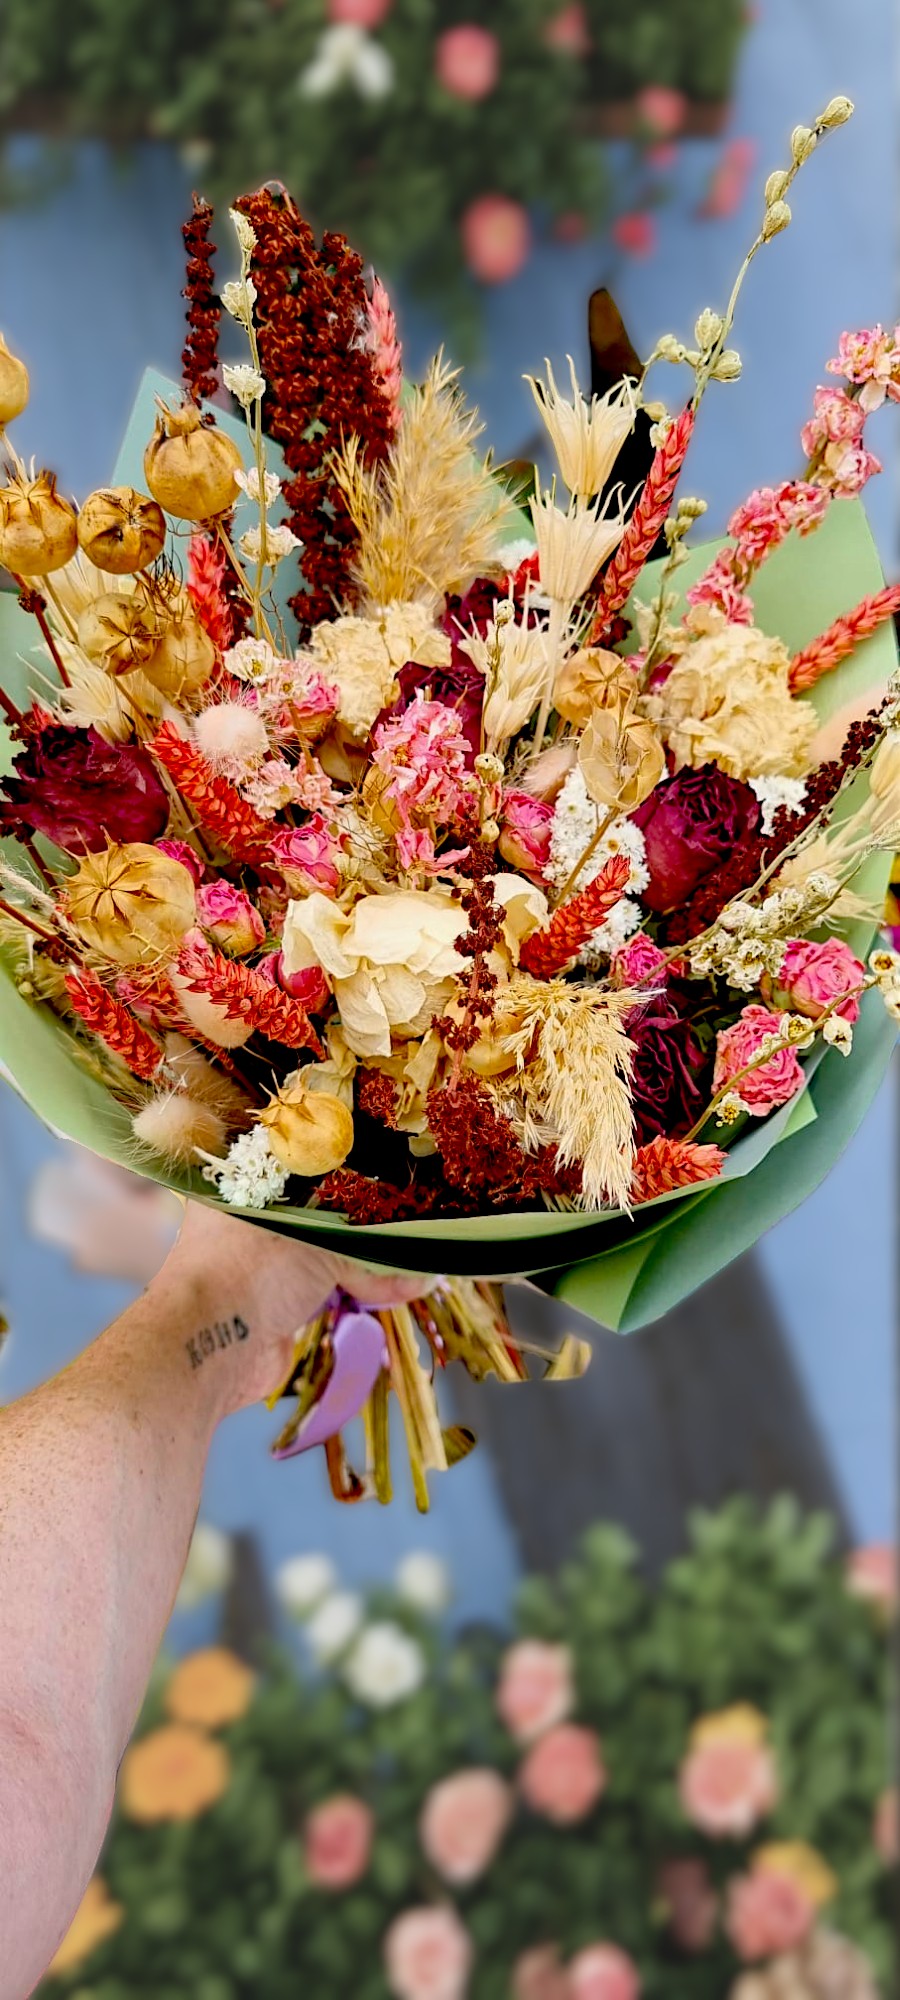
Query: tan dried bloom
621	759
516	661
130	903
573	545
727	702
574	1067
363	656
310	1131
587	436
592	678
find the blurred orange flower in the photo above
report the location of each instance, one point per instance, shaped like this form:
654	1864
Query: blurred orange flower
210	1688
172	1774
96	1919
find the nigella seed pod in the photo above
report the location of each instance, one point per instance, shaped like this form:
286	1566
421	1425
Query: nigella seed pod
189	466
310	1132
184	658
14	385
119	633
37	527
121	530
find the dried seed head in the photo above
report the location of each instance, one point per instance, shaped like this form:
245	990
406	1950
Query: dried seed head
836	112
803	142
776	218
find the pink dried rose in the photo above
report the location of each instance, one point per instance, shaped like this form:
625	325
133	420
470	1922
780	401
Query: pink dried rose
337	1841
538	1974
179	850
727	1784
812	976
229	918
635	233
563	1775
886	1827
309	986
525	825
307	856
603	1972
774	1081
568	30
428	1955
661	108
870	358
496	238
463	1822
871	1572
768	1913
639	963
535	1689
467	61
690	1901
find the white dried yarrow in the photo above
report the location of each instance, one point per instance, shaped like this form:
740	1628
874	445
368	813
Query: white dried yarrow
385	1666
249	1176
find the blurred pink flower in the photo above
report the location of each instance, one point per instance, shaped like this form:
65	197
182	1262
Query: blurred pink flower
767	1913
467	61
463	1822
774	1081
886	1826
728	181
496	238
871	1572
662	157
635	233
360	13
603	1972
539	1975
691	1903
727	1785
535	1688
570	227
428	1955
337	1841
569	31
563	1775
109	1221
661	108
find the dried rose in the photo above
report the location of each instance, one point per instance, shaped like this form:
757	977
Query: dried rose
310	1132
37	527
692	824
229	918
525	826
189	466
83	792
667	1073
307	855
121	530
131	903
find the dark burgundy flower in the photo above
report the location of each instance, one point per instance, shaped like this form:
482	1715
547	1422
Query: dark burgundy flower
81	792
459	686
667	1083
692	824
474	611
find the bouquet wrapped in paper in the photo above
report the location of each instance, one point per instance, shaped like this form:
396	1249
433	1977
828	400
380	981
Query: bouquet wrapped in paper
472	886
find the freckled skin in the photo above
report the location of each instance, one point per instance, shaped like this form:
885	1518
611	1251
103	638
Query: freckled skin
100	1477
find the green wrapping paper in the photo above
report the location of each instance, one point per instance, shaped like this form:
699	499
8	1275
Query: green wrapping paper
622	1271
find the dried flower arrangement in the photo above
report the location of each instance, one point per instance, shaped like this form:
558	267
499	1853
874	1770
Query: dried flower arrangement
482	881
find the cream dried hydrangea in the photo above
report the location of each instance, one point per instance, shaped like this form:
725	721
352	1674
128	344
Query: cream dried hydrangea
362	657
727	702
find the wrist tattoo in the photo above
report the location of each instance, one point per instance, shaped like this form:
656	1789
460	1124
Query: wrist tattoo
213	1339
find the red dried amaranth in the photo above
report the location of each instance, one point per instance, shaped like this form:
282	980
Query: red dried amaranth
481	1155
376	1097
366	1202
321	386
200	358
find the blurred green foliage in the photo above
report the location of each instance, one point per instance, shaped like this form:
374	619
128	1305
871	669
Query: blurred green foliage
758	1611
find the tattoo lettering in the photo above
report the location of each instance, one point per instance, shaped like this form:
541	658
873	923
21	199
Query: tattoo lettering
212	1339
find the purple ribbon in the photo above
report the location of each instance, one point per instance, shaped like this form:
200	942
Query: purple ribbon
359	1357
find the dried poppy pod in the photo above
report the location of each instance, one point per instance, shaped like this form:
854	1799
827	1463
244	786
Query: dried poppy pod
14	385
184	658
119	632
121	530
189	466
131	903
310	1131
37	527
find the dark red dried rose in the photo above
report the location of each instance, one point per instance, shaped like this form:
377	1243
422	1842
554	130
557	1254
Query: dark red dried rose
692	824
667	1083
82	792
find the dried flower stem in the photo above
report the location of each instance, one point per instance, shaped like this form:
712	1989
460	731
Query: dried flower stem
822	655
30	923
644	525
263	629
32	601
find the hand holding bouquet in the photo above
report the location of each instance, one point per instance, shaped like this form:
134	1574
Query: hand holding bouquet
474	891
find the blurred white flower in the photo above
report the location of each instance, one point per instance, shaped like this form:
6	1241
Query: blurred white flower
110	1221
424	1581
244	382
385	1666
347	55
303	1581
208	1567
333	1624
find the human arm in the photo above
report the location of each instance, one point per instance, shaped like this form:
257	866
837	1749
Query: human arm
100	1477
